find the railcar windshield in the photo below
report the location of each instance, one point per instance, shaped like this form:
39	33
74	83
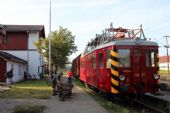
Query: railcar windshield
151	57
124	57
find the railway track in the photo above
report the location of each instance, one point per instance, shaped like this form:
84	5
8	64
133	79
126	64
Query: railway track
150	104
149	107
147	104
139	106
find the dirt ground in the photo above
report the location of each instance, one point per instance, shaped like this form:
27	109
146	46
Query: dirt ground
80	102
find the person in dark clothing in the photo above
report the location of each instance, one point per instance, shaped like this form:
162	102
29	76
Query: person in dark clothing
9	76
70	75
56	82
25	75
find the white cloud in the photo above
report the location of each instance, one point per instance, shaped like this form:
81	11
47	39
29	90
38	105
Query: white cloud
86	3
19	4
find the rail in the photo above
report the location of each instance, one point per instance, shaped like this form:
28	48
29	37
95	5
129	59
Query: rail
155	110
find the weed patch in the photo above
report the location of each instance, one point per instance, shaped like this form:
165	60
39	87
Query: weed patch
29	109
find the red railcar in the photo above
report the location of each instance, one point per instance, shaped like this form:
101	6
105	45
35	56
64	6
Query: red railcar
76	66
121	61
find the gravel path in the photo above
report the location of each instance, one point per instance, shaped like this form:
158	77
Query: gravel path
80	102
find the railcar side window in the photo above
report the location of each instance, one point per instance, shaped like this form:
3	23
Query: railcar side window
94	61
151	58
124	57
101	60
108	60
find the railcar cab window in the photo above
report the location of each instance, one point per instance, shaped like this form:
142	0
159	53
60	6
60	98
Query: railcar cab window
151	57
101	60
108	60
124	57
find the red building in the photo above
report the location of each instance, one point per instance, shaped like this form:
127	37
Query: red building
163	62
19	41
17	36
163	59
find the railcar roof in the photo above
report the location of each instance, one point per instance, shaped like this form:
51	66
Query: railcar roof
134	42
128	42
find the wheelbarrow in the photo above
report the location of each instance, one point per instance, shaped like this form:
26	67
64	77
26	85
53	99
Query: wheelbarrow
65	91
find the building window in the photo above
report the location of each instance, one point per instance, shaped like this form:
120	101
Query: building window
5	40
101	60
12	66
108	60
19	69
151	57
124	57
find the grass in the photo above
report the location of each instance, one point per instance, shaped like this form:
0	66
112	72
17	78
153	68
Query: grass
111	107
164	75
37	89
163	72
29	109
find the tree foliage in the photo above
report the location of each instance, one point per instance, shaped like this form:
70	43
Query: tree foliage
62	45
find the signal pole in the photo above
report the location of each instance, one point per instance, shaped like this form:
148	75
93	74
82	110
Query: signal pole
167	46
49	61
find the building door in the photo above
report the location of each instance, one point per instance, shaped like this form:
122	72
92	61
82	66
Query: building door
2	70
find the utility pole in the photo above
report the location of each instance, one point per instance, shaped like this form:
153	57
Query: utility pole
49	61
167	46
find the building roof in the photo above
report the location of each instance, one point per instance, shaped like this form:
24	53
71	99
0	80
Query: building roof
163	59
25	28
11	57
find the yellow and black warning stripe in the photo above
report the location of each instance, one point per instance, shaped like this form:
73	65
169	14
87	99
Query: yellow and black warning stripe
114	72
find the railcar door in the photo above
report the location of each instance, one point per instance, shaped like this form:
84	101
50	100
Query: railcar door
138	69
151	68
144	66
100	71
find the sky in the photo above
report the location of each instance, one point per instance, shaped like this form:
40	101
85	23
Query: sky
85	18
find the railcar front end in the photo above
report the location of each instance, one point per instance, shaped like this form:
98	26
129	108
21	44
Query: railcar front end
134	67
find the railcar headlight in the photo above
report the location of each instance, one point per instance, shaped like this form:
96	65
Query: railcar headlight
156	76
122	77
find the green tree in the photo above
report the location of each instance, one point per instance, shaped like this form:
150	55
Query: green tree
62	45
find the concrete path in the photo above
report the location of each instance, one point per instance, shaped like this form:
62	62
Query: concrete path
80	102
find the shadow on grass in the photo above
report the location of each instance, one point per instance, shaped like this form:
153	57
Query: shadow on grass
37	89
